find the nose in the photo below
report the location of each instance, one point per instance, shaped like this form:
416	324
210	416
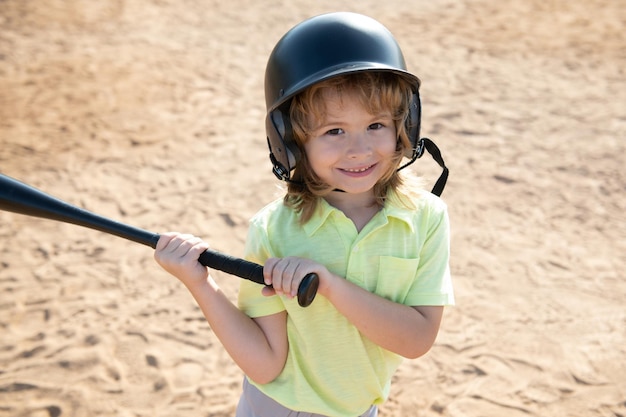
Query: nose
358	146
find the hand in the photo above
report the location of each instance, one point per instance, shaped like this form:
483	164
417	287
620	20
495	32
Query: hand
286	274
178	254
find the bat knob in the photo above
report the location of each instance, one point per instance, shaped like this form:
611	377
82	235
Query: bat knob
307	289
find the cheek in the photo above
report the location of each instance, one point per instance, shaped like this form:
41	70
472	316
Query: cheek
316	156
388	147
392	145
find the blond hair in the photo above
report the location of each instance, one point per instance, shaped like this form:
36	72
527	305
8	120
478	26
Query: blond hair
378	92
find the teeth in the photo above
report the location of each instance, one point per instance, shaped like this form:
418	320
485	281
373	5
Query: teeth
357	170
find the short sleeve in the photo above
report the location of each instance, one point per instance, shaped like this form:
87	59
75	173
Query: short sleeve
257	250
433	284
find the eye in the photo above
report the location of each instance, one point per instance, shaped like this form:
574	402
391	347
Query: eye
376	126
334	132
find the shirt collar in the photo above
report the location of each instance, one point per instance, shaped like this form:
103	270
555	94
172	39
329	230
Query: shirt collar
400	207
321	214
397	206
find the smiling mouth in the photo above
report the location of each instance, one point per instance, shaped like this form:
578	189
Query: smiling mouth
357	170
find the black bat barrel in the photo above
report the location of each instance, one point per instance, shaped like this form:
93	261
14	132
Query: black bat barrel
17	197
21	198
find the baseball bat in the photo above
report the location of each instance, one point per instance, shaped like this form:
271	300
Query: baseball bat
21	198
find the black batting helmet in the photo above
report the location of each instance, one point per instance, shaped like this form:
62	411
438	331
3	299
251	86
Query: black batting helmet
320	48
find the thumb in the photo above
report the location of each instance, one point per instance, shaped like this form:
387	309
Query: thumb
268	291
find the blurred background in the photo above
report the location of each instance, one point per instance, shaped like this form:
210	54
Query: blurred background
152	113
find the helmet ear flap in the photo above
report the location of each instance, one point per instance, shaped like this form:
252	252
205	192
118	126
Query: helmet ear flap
413	122
283	150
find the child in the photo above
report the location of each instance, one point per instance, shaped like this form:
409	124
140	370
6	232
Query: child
342	114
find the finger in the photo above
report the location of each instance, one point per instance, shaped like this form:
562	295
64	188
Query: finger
283	275
268	291
268	270
290	277
198	249
164	246
298	275
274	268
164	240
179	250
189	247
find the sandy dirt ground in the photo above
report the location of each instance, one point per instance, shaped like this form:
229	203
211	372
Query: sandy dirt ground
151	112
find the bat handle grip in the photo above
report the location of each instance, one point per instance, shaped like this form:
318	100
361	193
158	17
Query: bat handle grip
254	272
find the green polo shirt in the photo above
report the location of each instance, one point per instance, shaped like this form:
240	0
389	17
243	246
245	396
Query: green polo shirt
401	254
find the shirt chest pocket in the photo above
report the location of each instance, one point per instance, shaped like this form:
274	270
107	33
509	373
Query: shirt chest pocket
396	277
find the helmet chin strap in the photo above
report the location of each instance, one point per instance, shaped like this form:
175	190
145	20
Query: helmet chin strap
433	150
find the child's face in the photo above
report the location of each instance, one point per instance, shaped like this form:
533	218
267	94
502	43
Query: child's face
352	148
